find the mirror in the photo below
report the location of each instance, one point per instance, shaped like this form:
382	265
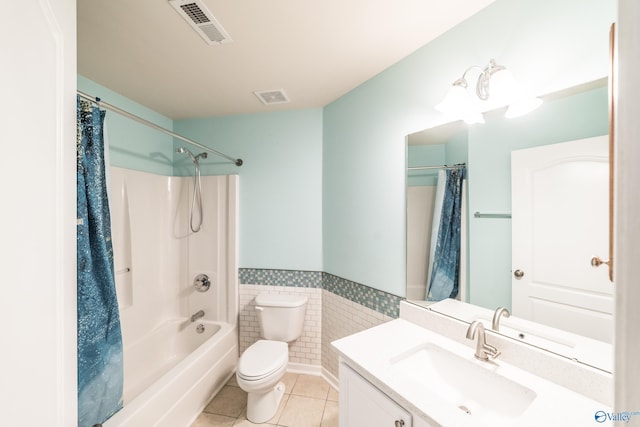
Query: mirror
486	258
427	152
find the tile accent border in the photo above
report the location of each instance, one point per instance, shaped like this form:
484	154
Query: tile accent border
374	299
269	277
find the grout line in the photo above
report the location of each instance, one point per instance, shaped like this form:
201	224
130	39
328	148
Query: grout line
326	400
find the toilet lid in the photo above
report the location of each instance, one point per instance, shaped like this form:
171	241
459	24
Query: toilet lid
262	359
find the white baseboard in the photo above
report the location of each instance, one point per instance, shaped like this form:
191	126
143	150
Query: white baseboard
317	370
331	379
302	368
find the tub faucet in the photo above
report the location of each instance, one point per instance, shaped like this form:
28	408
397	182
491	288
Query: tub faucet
197	315
500	311
484	351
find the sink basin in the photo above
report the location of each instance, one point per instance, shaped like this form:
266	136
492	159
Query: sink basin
471	386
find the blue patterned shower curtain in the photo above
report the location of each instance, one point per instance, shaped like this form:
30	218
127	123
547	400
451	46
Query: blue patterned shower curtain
100	369
443	281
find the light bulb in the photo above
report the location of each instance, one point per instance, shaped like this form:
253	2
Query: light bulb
502	86
455	97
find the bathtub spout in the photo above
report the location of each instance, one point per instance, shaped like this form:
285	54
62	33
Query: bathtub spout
198	315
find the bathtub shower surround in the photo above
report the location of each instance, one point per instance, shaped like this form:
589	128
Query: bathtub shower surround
195	212
172	366
201	364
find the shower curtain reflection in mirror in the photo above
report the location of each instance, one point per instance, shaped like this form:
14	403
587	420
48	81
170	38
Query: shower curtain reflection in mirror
100	368
444	260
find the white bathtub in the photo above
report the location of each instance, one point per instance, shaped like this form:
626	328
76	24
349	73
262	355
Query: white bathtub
173	372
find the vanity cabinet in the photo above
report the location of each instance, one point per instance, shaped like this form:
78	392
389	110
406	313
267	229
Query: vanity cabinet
401	374
363	404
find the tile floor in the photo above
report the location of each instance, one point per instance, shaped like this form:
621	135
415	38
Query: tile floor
309	401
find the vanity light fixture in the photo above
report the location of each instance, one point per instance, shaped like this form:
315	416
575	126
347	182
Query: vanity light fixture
495	83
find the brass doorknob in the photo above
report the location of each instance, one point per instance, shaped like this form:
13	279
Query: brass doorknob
518	274
597	262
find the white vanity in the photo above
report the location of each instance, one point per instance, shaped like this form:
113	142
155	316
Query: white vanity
420	370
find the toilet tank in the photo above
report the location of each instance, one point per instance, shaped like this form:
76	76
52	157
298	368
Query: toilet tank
281	317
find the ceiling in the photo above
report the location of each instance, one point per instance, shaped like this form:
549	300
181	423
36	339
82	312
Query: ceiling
316	51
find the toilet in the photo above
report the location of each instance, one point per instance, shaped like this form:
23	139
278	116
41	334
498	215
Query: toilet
263	364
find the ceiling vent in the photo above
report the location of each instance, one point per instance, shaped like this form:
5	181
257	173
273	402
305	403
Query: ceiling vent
270	97
201	20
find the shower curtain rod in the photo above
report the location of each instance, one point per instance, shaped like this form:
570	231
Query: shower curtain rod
459	166
237	162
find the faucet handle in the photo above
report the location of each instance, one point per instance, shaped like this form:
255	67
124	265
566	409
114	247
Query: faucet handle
202	283
491	351
484	351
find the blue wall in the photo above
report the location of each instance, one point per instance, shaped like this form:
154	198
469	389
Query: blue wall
133	145
549	45
425	155
280	183
280	197
324	189
448	152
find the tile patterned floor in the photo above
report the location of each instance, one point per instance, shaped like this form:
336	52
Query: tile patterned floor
309	401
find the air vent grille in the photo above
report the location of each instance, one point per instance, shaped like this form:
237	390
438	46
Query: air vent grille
270	97
201	20
195	13
213	33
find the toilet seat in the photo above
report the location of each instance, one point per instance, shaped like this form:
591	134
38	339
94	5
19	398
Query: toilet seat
262	359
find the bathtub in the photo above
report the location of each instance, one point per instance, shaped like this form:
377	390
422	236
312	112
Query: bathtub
172	373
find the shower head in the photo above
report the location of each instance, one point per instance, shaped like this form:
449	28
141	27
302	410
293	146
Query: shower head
183	150
194	159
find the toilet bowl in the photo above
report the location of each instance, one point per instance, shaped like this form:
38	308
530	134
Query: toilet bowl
264	363
260	370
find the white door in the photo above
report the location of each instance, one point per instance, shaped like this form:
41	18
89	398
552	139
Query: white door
560	221
38	227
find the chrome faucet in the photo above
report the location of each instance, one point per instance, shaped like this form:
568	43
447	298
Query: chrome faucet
484	351
500	311
197	315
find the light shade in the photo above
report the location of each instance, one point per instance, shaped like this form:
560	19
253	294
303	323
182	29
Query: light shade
454	101
522	106
501	87
495	87
457	104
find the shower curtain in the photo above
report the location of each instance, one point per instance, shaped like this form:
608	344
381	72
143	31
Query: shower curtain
100	369
444	263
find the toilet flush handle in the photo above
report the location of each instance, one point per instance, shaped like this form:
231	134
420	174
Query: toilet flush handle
258	308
